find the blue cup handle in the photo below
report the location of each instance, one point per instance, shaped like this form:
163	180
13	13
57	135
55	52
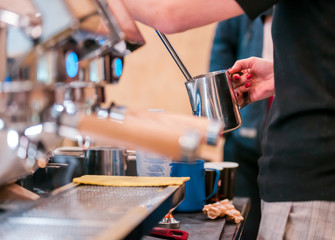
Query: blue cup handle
217	177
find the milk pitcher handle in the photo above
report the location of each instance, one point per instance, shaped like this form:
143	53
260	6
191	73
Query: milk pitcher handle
245	95
216	182
246	100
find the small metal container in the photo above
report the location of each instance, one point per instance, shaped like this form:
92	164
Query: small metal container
106	161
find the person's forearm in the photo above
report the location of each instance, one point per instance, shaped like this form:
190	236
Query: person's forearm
171	16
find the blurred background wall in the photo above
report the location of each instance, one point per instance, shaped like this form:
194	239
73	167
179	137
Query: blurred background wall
151	79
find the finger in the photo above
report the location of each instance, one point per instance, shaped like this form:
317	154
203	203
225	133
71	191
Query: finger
240	80
242	65
244	88
246	71
239	97
237	80
242	96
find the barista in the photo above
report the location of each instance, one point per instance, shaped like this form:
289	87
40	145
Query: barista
234	39
297	167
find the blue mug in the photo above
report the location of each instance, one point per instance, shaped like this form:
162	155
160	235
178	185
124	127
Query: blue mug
195	196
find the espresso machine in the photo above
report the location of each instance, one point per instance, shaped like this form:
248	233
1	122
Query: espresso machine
56	57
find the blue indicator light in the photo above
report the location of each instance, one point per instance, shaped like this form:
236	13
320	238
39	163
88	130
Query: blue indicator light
72	64
118	67
101	41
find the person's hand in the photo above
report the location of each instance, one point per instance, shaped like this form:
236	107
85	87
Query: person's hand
252	75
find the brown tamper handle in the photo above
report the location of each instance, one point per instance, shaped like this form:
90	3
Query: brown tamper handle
158	132
173	120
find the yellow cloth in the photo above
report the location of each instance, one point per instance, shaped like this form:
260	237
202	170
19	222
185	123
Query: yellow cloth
124	181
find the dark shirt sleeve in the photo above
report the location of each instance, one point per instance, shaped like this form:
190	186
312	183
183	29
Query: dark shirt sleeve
254	8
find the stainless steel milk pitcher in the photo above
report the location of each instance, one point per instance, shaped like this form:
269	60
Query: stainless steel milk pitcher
211	95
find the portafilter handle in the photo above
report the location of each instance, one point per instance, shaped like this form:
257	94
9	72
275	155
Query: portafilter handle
170	135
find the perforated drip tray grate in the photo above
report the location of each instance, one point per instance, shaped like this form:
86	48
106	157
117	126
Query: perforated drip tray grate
92	212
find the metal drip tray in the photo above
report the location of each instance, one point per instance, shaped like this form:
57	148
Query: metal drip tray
92	212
